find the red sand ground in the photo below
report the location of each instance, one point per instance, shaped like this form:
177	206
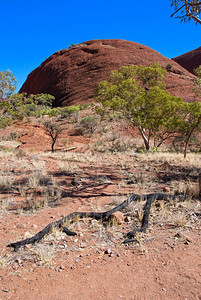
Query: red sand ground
163	266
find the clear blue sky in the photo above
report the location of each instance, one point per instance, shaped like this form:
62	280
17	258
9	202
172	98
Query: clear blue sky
32	30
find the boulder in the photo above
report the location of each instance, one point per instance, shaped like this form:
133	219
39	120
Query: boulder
117	218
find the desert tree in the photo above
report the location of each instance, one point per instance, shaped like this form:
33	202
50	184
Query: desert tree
187	10
191	122
164	115
139	95
53	129
7	84
197	82
191	114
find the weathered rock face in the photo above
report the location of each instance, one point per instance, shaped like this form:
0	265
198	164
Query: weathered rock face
72	75
190	60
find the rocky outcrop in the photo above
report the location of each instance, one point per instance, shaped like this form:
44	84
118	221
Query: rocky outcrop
72	75
190	60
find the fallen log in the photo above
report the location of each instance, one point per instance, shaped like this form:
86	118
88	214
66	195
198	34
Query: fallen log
104	216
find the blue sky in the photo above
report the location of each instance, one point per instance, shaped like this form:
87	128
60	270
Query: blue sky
32	30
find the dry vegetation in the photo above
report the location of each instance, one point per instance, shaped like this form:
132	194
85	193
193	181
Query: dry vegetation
38	187
29	183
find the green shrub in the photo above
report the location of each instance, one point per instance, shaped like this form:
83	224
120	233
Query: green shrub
89	123
5	122
71	112
53	112
79	130
20	106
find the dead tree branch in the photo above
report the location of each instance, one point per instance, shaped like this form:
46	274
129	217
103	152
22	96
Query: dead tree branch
104	216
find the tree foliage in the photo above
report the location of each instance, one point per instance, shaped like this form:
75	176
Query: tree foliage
191	122
20	106
187	10
7	84
197	82
138	94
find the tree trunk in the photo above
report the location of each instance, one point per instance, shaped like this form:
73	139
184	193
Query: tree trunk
52	146
189	136
146	140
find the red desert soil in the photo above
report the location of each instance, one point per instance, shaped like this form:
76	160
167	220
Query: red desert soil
164	263
72	75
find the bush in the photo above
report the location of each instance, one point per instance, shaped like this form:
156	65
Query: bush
71	113
5	122
19	106
53	112
89	123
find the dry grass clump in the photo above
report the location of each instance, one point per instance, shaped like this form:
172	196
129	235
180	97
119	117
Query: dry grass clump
67	167
116	159
45	254
39	190
28	176
107	234
34	203
114	142
3	261
192	159
55	234
189	189
179	219
6	182
4	203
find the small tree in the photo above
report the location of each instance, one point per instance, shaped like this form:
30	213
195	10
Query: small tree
7	84
164	115
197	82
138	94
191	122
53	130
45	100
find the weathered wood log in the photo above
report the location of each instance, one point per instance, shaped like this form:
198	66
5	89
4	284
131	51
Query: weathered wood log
104	216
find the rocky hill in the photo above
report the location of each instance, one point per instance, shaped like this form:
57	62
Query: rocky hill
190	60
72	74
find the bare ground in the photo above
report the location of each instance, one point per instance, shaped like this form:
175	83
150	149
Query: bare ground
38	187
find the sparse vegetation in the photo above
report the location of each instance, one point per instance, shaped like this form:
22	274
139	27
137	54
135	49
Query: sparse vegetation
21	106
93	172
139	94
7	84
114	143
53	129
87	124
70	113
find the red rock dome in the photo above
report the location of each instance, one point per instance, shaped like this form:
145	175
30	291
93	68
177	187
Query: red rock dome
190	60
72	75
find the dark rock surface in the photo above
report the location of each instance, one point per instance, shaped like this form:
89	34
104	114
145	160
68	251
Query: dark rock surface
190	60
72	75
